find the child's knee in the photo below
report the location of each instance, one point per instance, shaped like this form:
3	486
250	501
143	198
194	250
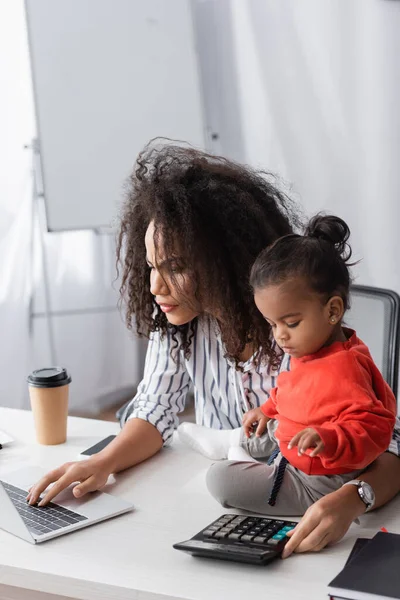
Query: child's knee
219	482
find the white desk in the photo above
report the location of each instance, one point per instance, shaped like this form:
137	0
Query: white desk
131	556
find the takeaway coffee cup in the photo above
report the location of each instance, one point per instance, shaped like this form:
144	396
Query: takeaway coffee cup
48	391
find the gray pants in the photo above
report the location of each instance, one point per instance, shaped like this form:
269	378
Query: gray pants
247	485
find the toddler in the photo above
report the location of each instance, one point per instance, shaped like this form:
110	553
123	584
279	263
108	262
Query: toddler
332	413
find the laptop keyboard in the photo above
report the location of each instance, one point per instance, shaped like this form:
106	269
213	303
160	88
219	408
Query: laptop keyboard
41	519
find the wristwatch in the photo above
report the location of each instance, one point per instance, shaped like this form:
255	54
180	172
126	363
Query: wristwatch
365	492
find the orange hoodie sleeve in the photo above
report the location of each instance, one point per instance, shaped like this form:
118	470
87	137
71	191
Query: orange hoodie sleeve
362	430
356	440
269	408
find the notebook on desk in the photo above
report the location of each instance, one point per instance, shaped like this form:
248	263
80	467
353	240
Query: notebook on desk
373	573
67	514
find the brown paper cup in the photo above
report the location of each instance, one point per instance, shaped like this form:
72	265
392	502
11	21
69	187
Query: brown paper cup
50	412
48	391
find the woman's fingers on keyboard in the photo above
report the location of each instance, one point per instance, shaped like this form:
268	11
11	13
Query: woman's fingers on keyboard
60	477
57	487
43	483
91	484
87	473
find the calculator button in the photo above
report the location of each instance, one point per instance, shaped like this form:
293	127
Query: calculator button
219	535
234	536
239	520
246	538
225	530
269	531
260	539
273	542
209	532
219	523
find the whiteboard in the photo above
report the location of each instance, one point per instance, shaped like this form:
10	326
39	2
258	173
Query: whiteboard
108	76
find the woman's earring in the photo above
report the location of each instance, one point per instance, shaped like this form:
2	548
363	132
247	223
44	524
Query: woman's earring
333	320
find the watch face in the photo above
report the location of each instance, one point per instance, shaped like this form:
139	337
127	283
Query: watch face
367	494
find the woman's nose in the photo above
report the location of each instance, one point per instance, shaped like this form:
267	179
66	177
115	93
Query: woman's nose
158	285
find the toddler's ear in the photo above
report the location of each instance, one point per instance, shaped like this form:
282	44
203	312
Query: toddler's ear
335	308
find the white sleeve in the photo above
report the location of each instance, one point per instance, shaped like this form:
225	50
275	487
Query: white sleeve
394	446
162	392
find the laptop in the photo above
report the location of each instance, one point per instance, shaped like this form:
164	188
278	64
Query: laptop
38	524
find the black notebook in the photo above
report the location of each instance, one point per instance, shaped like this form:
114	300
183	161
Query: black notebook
373	573
358	544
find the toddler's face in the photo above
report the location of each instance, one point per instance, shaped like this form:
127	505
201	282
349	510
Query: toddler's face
300	320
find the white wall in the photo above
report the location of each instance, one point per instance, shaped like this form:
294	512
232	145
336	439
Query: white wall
103	358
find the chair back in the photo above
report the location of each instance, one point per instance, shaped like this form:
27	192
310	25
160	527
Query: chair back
375	315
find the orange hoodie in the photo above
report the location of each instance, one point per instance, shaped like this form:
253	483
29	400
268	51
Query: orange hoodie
339	392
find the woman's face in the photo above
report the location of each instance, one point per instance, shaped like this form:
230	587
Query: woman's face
176	298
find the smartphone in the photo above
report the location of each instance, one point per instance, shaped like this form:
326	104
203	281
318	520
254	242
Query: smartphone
96	447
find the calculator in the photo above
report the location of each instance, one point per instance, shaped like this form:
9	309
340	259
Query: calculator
256	540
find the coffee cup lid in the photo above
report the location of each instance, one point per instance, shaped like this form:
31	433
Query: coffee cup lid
49	377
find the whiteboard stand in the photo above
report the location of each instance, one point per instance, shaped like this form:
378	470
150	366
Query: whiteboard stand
38	217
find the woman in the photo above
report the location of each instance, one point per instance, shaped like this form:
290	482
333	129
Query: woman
193	225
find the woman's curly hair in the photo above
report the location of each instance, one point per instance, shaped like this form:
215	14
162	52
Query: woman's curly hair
220	215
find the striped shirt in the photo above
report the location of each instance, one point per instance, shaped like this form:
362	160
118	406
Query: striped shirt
222	393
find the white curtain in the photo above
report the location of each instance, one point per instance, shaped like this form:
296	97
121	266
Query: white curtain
16	129
309	89
319	97
104	360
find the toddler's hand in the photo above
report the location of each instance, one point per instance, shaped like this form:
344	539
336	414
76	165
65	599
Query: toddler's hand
254	417
307	438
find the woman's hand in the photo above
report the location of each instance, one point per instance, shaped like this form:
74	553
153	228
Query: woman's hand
254	417
326	521
91	474
137	441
